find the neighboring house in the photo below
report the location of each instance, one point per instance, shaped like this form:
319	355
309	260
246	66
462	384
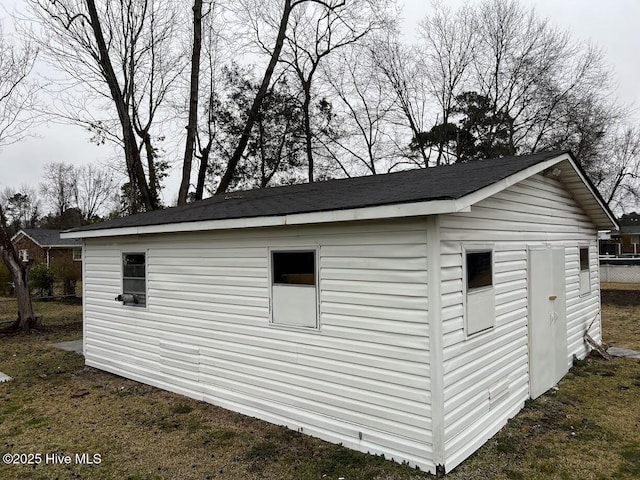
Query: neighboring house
62	255
625	241
408	314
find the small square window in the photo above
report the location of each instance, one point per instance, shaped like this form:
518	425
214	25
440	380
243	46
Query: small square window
77	254
134	283
479	271
294	268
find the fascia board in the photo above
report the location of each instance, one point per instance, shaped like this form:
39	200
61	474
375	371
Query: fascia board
433	207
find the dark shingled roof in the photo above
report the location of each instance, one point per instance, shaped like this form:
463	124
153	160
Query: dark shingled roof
50	238
438	183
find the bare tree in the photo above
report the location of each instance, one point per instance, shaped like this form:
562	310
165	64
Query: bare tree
533	72
18	269
400	66
17	97
209	69
367	141
618	177
121	52
448	44
94	191
317	30
59	187
252	114
194	93
18	94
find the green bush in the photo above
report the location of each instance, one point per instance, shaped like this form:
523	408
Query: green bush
41	279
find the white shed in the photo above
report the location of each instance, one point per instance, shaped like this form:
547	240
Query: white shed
408	314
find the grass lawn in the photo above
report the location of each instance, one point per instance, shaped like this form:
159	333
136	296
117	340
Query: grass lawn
588	429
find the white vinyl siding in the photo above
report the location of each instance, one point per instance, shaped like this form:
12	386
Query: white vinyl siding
486	375
361	379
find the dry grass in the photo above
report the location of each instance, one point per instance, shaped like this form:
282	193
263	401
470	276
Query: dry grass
588	429
620	286
621	326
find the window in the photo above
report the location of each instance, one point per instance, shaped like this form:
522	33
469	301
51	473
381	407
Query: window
293	288
77	254
24	255
134	284
294	268
479	291
479	271
585	273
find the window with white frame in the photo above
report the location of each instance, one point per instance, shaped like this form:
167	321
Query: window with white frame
293	288
585	271
479	291
24	255
134	279
77	254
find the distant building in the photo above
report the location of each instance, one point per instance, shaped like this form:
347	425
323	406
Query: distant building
62	256
626	240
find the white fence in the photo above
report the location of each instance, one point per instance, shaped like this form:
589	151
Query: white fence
620	273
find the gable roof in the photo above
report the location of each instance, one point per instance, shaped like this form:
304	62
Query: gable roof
47	238
406	193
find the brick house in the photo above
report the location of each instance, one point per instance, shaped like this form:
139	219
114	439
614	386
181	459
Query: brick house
62	256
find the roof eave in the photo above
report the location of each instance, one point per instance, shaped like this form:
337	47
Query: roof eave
25	234
432	207
603	219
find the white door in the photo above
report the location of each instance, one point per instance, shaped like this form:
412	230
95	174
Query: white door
548	361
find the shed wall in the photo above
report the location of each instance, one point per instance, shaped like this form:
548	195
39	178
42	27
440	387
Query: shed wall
486	374
361	379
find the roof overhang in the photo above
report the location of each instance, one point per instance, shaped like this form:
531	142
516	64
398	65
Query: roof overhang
565	170
22	233
432	207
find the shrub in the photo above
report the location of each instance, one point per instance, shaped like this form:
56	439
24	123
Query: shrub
41	279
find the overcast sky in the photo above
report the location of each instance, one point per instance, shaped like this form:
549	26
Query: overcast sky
612	25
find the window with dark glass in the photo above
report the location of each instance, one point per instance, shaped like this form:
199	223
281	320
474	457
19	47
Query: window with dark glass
479	270
134	283
585	274
294	268
584	259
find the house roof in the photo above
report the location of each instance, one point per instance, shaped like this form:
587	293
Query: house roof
47	238
427	191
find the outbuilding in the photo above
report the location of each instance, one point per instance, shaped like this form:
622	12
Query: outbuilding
409	314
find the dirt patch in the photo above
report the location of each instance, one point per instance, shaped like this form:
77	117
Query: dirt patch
621	297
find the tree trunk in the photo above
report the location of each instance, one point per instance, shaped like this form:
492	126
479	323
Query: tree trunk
132	154
193	103
307	129
154	184
257	101
202	171
26	318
